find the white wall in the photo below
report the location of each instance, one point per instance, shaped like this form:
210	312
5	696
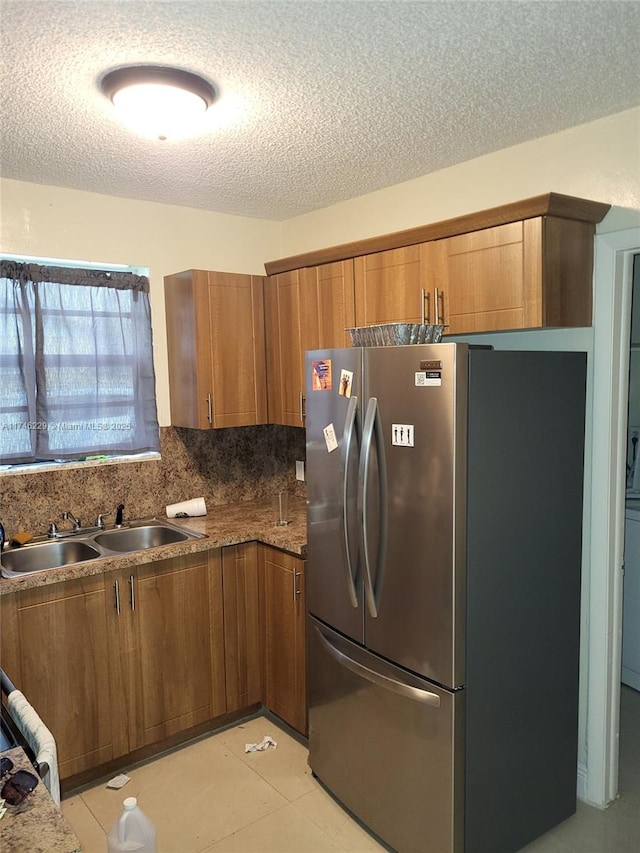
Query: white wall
598	161
51	222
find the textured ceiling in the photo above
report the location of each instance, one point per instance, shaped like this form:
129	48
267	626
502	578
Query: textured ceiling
319	101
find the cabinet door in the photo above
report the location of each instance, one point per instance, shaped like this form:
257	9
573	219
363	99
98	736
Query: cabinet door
236	329
169	655
394	286
529	274
56	650
327	305
306	309
488	281
285	373
216	349
282	580
241	625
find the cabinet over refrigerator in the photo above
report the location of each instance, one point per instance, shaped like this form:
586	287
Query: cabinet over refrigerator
443	589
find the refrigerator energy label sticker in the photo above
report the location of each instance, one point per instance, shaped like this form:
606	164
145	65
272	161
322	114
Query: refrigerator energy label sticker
426	378
330	438
402	435
321	375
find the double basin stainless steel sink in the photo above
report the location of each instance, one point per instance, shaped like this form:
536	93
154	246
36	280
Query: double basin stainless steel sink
92	544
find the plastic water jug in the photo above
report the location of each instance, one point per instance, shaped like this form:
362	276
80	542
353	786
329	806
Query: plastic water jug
133	831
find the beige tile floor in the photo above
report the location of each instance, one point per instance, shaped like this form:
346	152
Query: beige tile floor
212	796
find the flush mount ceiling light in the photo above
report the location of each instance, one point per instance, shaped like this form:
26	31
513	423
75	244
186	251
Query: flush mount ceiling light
159	102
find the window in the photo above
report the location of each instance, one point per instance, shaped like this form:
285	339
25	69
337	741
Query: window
76	364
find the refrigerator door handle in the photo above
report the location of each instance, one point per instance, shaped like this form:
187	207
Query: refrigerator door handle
417	694
349	431
372	433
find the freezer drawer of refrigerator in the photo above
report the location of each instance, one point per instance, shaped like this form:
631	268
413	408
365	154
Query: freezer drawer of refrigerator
387	744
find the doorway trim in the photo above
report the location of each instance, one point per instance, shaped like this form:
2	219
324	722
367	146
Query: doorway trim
612	322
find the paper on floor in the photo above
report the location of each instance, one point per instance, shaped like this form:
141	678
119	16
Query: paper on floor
118	781
265	743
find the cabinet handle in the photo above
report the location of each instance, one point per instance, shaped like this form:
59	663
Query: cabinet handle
209	409
116	588
132	592
303	414
424	298
295	586
438	294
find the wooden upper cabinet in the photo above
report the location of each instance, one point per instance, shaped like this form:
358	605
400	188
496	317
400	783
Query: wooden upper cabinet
529	274
285	356
528	264
328	305
305	309
393	286
216	349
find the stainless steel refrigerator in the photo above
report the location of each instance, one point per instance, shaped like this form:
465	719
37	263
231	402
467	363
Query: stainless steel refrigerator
443	589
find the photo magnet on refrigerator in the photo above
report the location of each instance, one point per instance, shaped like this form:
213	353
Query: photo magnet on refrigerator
330	438
321	375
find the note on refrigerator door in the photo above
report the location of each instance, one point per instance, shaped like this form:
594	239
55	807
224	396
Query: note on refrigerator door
321	375
330	438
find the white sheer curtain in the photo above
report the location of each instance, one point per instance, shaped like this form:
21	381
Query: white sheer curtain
76	364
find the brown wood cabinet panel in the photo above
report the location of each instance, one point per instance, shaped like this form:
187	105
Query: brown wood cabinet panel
241	625
530	274
483	279
283	635
285	374
216	349
328	305
56	650
306	309
167	650
393	286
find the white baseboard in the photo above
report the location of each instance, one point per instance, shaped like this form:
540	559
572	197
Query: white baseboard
581	789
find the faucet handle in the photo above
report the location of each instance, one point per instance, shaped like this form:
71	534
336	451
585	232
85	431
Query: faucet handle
69	516
53	530
100	519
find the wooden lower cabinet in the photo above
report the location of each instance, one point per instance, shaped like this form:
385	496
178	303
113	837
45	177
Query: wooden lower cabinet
123	660
241	596
283	635
119	661
167	646
56	649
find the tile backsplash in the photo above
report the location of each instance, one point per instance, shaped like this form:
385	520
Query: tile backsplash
225	466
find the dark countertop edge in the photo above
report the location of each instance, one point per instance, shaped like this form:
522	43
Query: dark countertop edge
229	524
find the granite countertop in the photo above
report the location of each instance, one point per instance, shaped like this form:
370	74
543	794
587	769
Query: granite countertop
230	524
40	829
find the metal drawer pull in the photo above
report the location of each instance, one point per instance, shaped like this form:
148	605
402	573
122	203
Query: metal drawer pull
116	588
132	592
406	690
209	409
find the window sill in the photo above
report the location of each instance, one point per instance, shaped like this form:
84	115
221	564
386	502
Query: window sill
39	467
